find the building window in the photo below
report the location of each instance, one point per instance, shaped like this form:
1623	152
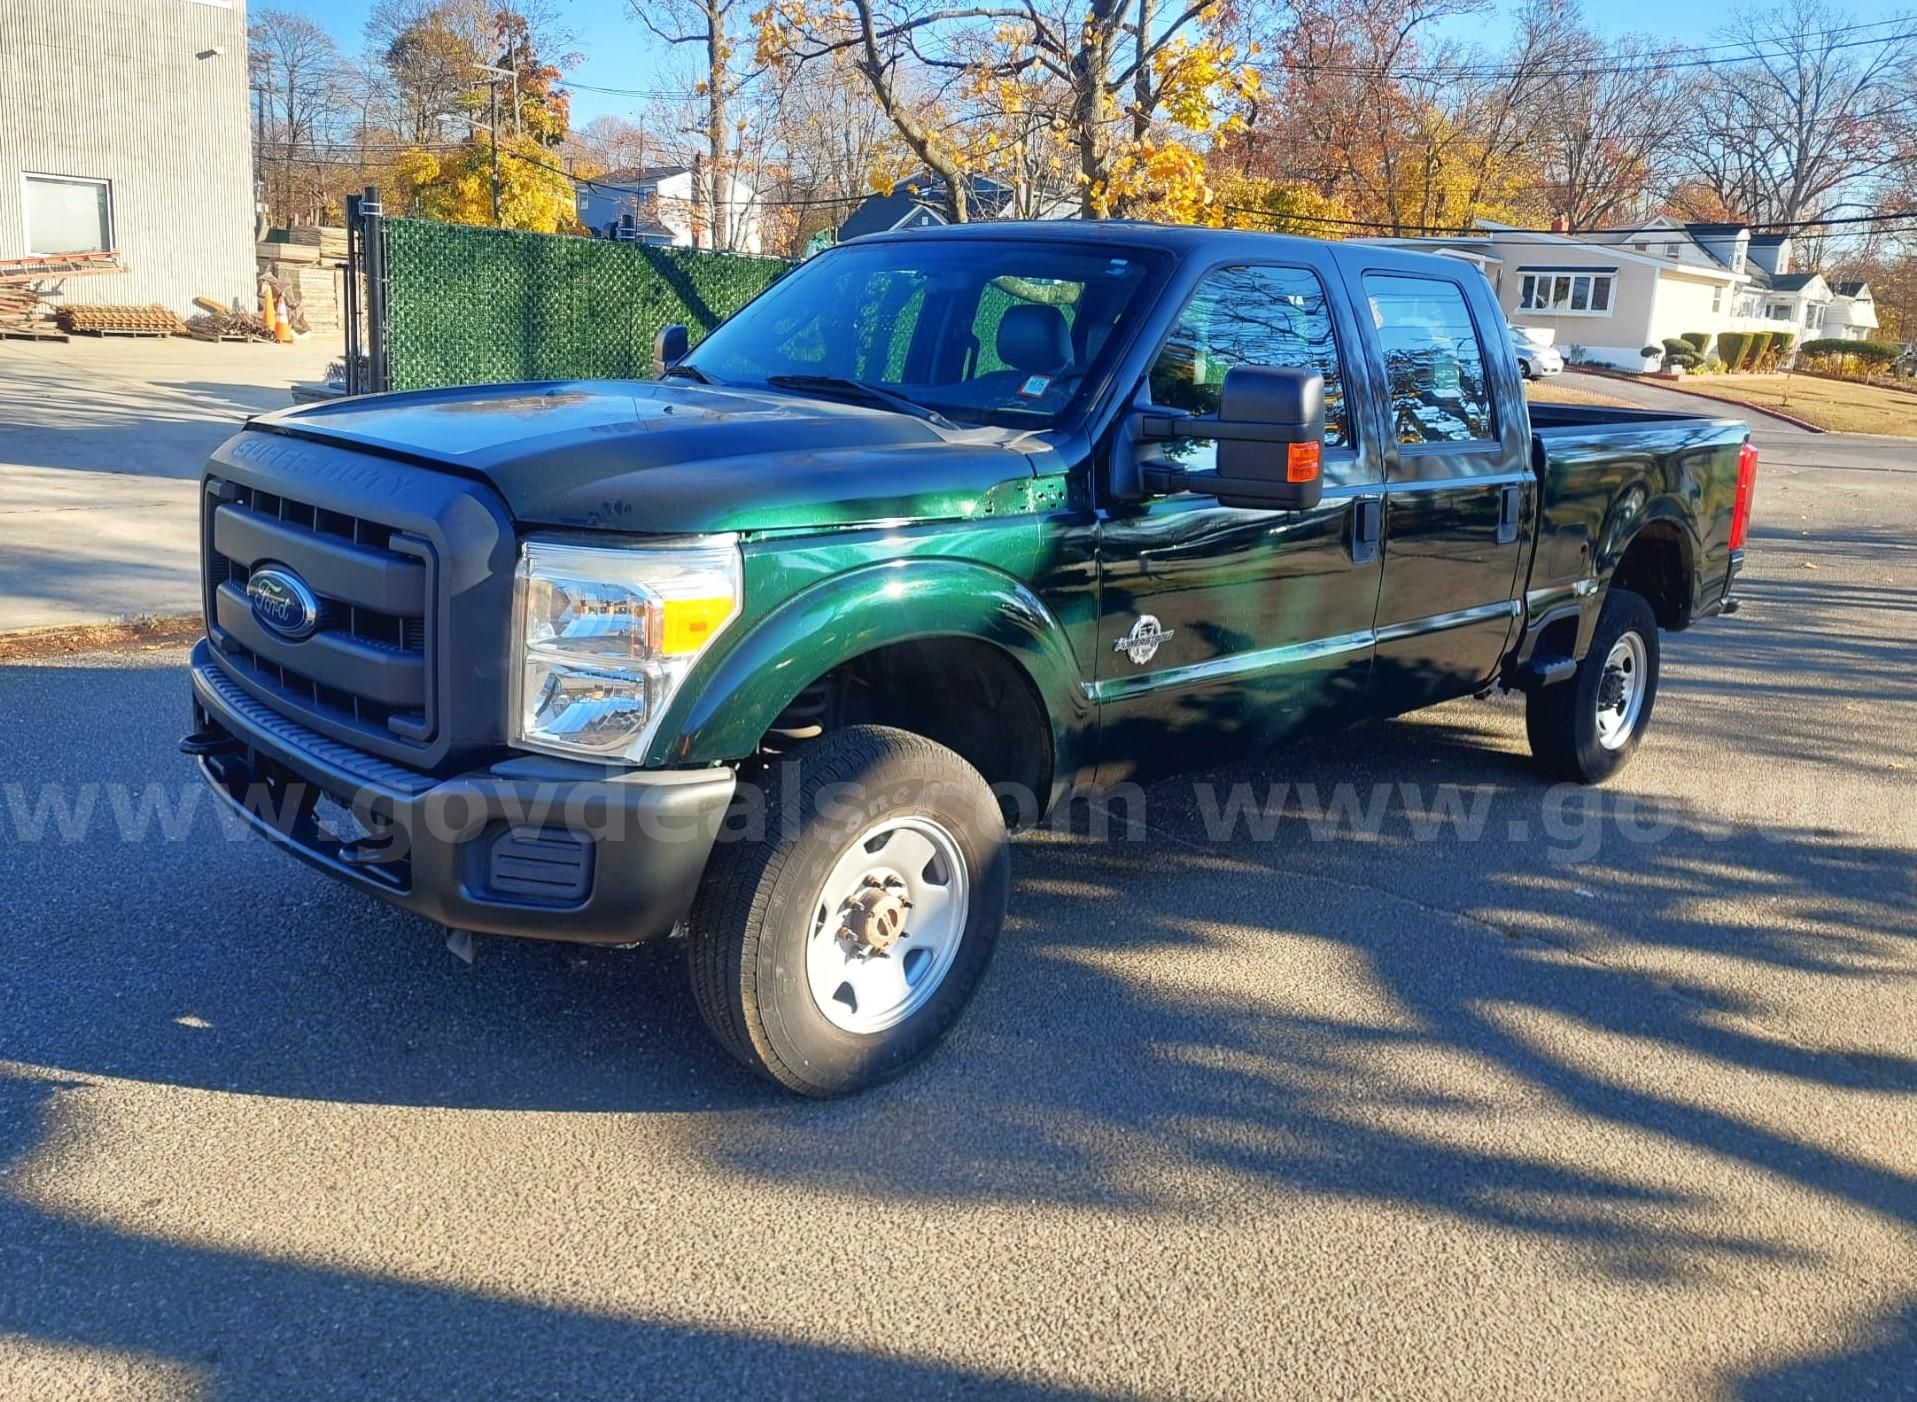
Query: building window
1584	294
1717	298
1780	311
67	214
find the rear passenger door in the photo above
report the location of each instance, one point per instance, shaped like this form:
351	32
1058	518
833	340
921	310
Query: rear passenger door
1457	488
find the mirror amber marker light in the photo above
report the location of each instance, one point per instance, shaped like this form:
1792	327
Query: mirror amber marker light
1302	461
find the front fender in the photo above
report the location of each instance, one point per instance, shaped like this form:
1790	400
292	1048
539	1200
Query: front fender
722	714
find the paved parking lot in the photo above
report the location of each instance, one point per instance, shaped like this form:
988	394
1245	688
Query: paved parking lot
101	445
1495	1090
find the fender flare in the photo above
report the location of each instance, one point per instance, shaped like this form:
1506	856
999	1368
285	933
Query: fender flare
728	704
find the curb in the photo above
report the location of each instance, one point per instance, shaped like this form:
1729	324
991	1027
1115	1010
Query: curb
1767	412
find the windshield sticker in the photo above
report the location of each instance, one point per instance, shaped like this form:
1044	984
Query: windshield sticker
1034	386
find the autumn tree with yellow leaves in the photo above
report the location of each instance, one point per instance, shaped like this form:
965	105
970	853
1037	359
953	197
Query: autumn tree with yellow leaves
1119	97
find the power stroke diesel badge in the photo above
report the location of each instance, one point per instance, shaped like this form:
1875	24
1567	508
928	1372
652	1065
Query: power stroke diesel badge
1141	644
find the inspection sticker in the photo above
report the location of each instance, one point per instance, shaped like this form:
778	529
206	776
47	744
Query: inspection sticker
1035	385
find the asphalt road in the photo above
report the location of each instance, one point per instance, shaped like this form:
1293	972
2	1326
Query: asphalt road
1543	1093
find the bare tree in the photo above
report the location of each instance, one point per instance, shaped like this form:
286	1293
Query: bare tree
715	29
296	71
1615	130
1810	114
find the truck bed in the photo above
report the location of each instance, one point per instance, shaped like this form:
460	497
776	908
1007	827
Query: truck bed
1657	485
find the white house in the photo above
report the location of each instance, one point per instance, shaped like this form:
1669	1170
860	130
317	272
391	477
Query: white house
1853	312
1604	294
659	200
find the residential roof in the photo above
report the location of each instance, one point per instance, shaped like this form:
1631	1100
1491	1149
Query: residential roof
637	175
1849	289
1791	282
1770	240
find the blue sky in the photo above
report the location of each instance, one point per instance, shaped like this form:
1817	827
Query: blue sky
622	53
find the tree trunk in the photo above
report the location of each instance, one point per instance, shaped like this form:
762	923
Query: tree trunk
716	82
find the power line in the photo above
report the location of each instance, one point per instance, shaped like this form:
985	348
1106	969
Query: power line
1750	51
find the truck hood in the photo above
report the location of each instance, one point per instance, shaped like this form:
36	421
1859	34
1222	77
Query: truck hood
676	457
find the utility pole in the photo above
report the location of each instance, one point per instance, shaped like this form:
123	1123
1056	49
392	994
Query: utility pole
493	91
494	74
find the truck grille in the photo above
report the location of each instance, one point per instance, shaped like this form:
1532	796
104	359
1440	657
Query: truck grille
367	664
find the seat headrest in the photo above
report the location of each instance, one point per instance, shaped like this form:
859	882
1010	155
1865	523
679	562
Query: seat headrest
1035	339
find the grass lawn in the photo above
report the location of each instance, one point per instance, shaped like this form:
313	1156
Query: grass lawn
1837	405
1555	391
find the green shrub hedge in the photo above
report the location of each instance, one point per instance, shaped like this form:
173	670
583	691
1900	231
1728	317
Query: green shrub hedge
1732	347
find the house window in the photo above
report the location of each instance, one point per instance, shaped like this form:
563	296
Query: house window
67	214
1584	294
1717	298
1780	311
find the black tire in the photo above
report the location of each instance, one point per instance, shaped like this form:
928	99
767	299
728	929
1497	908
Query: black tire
1562	720
1524	370
749	926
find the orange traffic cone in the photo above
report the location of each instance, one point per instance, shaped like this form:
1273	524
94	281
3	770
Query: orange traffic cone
274	316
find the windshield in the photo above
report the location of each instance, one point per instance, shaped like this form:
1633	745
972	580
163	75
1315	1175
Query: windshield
982	332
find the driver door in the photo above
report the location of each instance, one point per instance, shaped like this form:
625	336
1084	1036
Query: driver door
1223	629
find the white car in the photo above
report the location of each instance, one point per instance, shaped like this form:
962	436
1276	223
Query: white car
1535	358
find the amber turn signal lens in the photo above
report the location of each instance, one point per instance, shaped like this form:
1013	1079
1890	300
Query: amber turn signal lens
1301	461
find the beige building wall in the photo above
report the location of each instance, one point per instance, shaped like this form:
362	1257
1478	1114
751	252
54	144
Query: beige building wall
151	96
1616	338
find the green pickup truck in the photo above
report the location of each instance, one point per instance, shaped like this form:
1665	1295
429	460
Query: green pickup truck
769	654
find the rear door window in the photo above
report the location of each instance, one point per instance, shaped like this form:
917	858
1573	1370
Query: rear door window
1434	363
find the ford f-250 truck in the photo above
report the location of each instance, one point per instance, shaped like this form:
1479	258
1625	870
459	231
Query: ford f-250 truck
767	653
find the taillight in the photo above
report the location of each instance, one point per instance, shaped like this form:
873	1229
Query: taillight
1746	489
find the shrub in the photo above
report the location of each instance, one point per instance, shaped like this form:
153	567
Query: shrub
1849	357
1732	346
1698	341
1759	348
1677	354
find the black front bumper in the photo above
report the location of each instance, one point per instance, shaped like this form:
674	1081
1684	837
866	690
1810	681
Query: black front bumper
546	848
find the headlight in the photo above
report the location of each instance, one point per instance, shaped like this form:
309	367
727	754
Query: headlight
606	636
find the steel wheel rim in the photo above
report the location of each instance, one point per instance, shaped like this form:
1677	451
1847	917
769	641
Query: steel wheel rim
917	863
1621	691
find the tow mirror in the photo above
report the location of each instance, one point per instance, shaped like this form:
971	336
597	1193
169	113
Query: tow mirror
670	348
1270	431
1283	470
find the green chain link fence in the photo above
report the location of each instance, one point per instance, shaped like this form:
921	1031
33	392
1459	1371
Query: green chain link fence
473	306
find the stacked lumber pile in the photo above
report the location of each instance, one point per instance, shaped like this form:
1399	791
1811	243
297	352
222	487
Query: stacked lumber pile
305	265
153	320
28	284
22	313
330	242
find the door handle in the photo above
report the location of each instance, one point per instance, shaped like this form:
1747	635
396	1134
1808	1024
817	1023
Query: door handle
1508	503
1367	527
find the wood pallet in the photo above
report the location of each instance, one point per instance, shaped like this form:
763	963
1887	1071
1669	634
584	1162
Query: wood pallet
46	332
105	320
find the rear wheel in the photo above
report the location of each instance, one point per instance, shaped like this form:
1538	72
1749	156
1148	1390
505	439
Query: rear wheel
1587	728
835	952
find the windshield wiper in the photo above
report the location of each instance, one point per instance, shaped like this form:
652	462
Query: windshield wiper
859	389
689	372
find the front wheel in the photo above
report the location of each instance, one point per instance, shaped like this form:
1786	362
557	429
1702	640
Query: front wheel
834	952
1587	728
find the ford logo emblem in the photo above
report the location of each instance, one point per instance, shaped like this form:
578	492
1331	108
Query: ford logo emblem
282	602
